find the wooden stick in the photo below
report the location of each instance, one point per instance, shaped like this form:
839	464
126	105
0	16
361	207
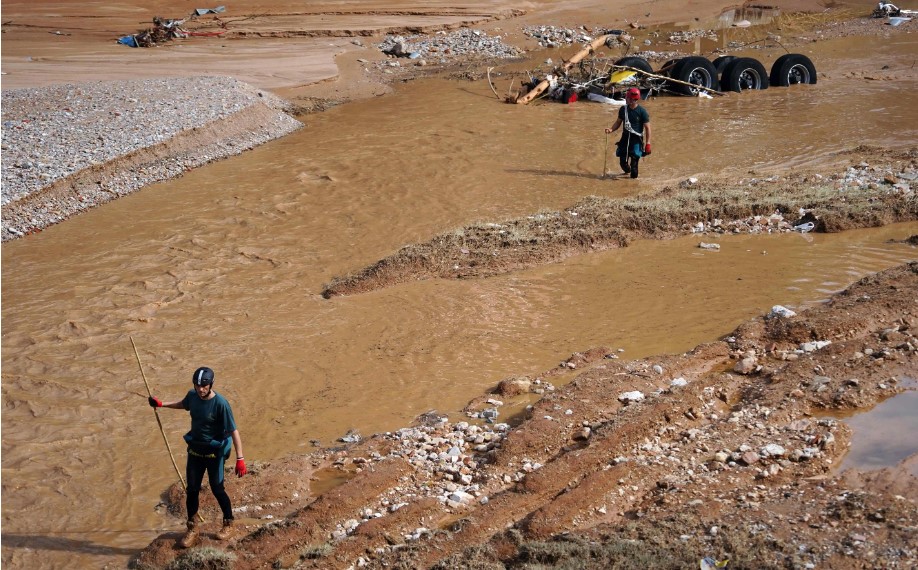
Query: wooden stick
160	423
491	84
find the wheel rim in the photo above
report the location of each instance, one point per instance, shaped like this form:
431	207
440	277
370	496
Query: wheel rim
798	74
699	76
750	79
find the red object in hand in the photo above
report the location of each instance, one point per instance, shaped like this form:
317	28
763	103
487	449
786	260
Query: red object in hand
240	468
155	402
647	149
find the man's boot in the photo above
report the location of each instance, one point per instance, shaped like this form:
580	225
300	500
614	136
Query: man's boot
227	531
191	536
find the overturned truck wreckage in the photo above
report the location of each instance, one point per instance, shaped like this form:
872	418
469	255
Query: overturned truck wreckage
606	81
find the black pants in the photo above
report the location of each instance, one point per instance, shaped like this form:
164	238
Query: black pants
627	159
630	168
194	473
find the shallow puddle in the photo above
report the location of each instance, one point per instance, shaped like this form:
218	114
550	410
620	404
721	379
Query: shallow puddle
884	435
324	480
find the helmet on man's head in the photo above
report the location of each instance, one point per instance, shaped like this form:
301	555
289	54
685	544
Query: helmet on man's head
203	376
633	93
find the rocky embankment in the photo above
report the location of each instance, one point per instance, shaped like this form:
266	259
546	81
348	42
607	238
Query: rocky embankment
67	148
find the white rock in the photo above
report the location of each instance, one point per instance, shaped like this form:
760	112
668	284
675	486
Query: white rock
815	345
635	396
773	450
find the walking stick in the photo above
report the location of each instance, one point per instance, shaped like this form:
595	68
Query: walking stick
605	158
160	423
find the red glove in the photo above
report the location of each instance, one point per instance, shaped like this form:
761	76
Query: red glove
647	149
240	467
154	403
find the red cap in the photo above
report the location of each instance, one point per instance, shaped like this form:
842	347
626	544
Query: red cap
633	93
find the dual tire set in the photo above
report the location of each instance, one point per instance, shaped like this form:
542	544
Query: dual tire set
729	73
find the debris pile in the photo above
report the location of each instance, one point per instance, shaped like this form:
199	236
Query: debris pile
447	459
448	46
553	36
890	10
163	30
687	36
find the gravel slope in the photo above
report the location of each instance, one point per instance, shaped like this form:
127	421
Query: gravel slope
70	147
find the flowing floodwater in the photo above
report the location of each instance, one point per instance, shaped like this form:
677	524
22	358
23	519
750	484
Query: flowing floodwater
224	268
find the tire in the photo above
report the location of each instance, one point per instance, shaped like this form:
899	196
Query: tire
667	67
744	73
636	63
696	70
721	62
792	69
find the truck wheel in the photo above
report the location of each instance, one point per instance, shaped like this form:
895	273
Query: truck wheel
636	63
792	69
695	70
744	73
721	62
667	68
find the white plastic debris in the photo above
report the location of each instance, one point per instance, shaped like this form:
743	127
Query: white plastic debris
815	345
635	396
607	100
781	311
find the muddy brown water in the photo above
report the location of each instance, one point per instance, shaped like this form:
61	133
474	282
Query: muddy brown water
224	267
877	440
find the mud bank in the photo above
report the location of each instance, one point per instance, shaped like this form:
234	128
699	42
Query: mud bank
859	194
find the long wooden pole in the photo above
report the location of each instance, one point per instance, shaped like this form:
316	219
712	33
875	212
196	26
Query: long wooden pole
543	85
159	422
605	159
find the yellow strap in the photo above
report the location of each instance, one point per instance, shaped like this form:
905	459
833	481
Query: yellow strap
196	454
